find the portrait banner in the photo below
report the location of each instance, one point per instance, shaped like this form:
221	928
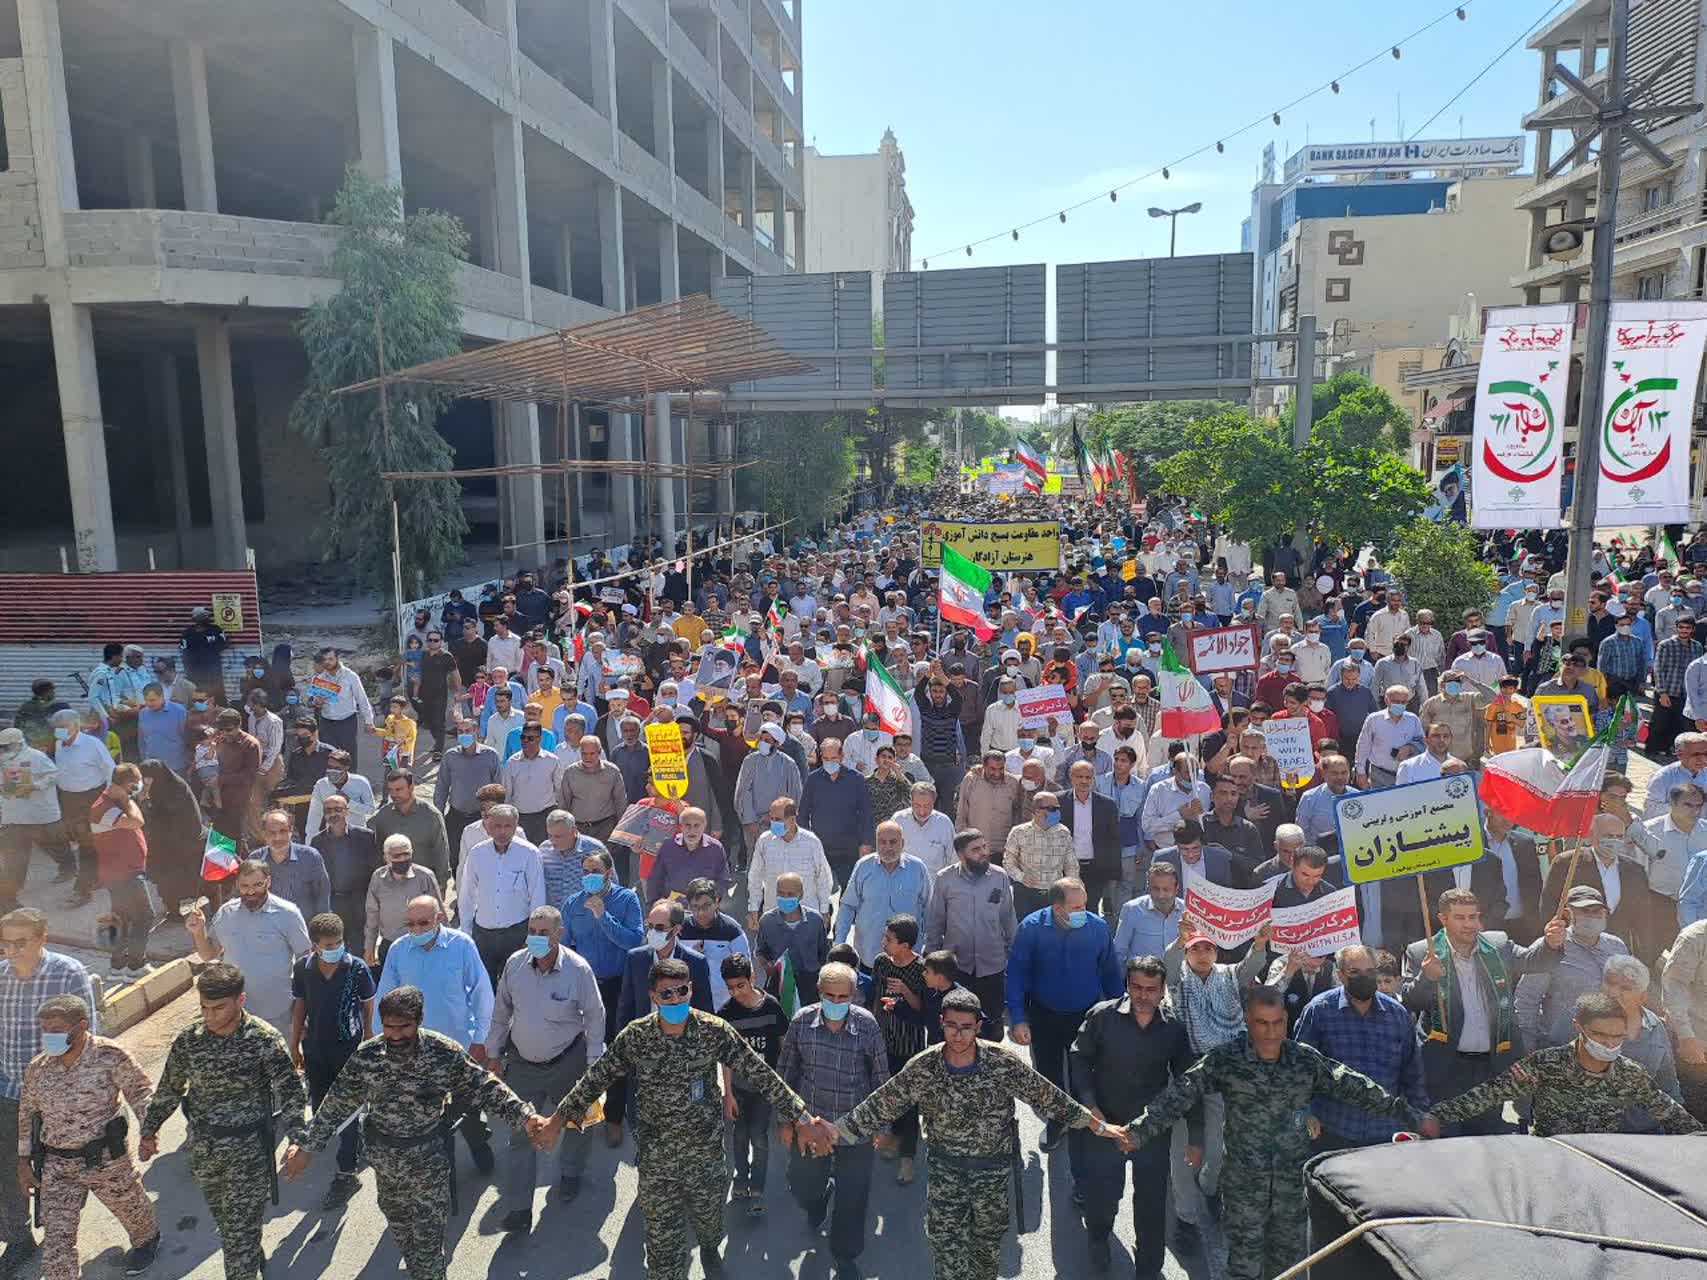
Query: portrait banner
1518	438
1653	360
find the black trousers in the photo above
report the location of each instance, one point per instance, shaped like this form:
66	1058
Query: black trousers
809	1182
992	993
533	826
750	1139
498	945
906	1128
616	1097
1052	1034
321	1070
1666	724
456	822
1103	1181
340	735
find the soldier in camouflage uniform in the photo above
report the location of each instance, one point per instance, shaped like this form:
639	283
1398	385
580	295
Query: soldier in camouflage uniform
1584	1086
672	1059
225	1069
406	1076
965	1093
73	1088
1268	1082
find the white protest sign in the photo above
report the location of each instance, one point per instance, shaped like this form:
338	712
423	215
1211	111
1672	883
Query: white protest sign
1038	706
1223	649
1230	916
1289	743
1317	928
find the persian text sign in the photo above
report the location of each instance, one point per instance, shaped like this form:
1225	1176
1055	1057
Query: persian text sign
1230	916
1317	928
669	760
1289	743
1018	547
1653	358
1517	442
1409	829
1223	649
1037	706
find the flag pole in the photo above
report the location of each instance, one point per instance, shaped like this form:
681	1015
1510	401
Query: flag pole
1570	878
1422	898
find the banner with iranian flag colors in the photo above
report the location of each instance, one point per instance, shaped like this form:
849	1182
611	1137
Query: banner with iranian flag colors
885	696
1517	462
1653	359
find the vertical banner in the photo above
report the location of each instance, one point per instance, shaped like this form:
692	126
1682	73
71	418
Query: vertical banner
1653	359
1518	443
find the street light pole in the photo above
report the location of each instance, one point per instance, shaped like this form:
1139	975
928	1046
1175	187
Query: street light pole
1172	215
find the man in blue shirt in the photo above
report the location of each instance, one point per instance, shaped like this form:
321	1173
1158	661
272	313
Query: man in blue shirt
1150	922
1061	963
160	730
602	924
1370	1032
890	882
457	995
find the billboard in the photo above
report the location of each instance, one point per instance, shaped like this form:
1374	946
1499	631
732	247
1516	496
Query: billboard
927	315
1434	154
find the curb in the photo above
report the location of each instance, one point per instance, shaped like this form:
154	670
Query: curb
128	1006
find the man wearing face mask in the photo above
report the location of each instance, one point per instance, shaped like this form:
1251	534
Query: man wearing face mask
1545	1001
1621	882
84	769
767	774
1062	962
835	805
462	772
1584	1085
75	1090
1383	737
412	1082
331	1010
352	788
1399	668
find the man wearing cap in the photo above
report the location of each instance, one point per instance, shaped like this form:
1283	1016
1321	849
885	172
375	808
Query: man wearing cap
203	645
1545	1000
1480	663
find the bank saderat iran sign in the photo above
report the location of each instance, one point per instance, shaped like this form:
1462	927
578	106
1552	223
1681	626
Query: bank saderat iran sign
1431	153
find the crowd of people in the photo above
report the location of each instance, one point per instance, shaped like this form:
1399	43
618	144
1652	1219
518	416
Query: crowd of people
867	932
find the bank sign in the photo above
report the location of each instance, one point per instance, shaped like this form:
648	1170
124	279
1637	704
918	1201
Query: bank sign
1437	154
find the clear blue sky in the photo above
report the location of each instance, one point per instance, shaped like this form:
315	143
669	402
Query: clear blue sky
1007	110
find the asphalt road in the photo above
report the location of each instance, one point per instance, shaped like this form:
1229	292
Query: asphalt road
598	1236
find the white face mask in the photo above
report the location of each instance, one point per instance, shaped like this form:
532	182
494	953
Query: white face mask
1600	1052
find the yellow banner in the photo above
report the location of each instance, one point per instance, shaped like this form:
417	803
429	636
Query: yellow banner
1001	548
1053	484
669	760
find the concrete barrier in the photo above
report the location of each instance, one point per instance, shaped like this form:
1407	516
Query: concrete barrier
130	1004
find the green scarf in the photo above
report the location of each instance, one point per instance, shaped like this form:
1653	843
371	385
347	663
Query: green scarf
1493	966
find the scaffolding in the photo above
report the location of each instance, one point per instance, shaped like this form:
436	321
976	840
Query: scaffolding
684	346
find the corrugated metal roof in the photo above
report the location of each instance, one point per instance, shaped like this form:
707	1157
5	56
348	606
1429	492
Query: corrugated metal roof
149	609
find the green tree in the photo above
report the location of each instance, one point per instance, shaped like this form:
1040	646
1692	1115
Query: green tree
1148	433
806	466
1353	413
920	464
399	273
1441	568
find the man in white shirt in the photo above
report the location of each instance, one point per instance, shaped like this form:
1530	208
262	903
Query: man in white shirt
340	781
928	832
505	719
504	882
859	750
1030	747
1182	797
85	767
787	846
530	781
1384	738
1387	625
340	702
1311	657
504	649
1436	760
1001	718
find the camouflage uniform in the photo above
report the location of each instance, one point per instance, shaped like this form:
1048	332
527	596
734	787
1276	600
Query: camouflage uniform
1262	1175
1568	1099
969	1123
406	1099
228	1082
679	1136
75	1103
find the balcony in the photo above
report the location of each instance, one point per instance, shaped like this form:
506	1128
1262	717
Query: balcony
1656	222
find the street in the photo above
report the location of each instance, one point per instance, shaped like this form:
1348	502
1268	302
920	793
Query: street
598	1236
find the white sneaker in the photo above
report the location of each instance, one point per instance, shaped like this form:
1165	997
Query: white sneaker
142	970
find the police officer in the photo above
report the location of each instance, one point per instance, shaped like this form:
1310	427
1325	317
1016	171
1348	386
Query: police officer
672	1056
72	1089
225	1070
414	1083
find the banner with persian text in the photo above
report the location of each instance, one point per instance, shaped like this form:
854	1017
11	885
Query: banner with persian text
1517	462
1653	361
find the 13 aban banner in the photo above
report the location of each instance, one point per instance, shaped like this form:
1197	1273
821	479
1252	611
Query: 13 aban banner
1653	358
1518	443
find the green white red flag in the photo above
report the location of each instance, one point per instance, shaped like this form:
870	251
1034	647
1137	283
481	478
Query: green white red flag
884	696
1186	708
219	858
1530	788
961	598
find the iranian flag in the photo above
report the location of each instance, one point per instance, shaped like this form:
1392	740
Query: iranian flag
1026	454
787	985
1530	788
884	696
962	594
1668	550
1186	708
219	858
776	613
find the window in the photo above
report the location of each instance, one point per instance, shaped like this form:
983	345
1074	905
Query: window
1651	285
1657	196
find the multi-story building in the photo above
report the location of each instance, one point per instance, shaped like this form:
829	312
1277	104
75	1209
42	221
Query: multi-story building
1661	249
862	219
1342	235
165	172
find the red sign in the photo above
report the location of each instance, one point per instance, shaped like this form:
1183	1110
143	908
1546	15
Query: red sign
1317	928
1229	916
1224	649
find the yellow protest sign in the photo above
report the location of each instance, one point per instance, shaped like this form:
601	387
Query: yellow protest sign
1002	548
1563	722
1129	570
228	611
1409	829
1052	484
669	760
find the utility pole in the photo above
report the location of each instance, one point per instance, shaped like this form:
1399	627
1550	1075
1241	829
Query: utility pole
1613	118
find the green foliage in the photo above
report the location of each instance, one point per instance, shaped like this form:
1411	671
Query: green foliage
806	466
1241	474
403	272
1352	412
920	464
1440	567
1147	433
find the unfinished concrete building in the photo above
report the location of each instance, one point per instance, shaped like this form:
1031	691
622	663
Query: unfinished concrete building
165	169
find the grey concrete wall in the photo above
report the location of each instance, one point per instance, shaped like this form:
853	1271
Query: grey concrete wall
197	241
20	222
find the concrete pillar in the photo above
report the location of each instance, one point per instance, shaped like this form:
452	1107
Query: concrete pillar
219	431
613	276
726	482
50	123
746	173
669	262
523	496
664	117
164	373
664	455
376	106
565	259
622	504
195	128
601	40
510	207
140	188
714	178
85	441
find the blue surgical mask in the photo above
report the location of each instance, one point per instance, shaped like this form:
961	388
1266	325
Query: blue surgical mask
1395	709
778	828
832	767
60	735
593	884
834	1010
55	1043
675	1014
1076	919
423	940
788	906
291	699
870	734
465	739
199	706
333	955
1052	818
538	947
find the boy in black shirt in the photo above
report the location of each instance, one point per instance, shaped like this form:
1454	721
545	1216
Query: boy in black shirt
941	976
759	1017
